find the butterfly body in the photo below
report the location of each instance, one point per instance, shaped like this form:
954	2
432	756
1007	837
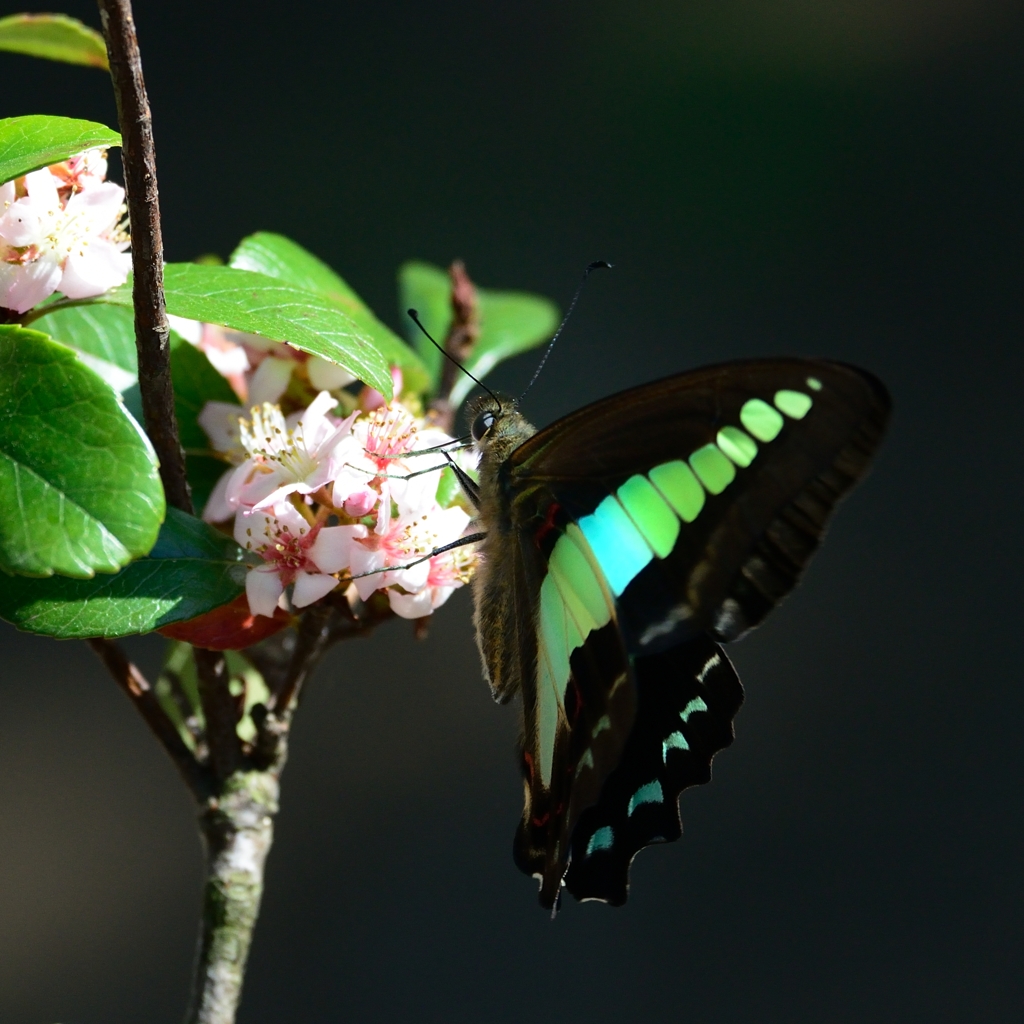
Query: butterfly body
623	543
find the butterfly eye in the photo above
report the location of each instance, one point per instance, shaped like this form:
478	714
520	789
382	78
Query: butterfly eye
482	424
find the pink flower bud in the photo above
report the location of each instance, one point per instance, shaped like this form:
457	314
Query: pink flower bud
360	502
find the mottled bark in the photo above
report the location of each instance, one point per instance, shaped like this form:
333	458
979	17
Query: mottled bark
238	830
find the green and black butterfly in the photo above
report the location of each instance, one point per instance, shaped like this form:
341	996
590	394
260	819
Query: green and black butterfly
622	544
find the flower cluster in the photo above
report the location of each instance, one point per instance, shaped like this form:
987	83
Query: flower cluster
259	370
325	500
62	228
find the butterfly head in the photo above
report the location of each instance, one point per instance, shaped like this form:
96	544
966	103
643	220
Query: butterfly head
497	427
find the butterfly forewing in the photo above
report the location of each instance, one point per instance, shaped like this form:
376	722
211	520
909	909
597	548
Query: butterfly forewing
707	493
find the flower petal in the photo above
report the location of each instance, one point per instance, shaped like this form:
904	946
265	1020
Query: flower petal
410	606
327	376
220	421
22	224
26	285
270	381
263	589
217	509
330	552
310	587
94	267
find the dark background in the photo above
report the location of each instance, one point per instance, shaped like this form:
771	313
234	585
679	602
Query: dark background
841	179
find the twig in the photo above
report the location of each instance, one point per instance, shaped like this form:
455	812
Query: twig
220	710
142	695
151	329
238	829
462	337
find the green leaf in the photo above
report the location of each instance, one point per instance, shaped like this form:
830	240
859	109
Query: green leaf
99	329
79	487
53	37
281	258
191	570
510	322
428	290
38	140
258	304
196	382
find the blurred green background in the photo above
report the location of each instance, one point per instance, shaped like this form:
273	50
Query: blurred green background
806	176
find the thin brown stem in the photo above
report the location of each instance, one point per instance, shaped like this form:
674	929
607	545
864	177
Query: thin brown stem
221	712
142	695
151	328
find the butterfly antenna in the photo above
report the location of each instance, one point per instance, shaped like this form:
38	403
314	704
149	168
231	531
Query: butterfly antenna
596	265
415	317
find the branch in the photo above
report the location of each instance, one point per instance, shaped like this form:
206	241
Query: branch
151	329
221	712
142	695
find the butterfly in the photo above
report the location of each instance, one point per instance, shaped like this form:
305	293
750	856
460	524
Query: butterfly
621	546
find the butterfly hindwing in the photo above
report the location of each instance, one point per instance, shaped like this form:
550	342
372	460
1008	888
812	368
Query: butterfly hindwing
687	697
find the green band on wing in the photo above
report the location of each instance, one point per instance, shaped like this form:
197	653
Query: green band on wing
618	545
761	420
571	560
547	717
553	633
739	446
794	404
651	514
676	481
651	793
713	469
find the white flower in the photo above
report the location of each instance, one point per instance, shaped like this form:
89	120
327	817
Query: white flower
408	539
284	458
294	553
448	572
376	454
49	241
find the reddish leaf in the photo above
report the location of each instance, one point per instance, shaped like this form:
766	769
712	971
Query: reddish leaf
231	627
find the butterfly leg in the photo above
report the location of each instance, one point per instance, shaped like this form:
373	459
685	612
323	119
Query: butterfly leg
466	482
461	542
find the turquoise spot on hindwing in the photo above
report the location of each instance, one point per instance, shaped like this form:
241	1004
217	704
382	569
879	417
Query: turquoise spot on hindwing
650	793
603	723
814	384
674	741
697	704
602	839
618	545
